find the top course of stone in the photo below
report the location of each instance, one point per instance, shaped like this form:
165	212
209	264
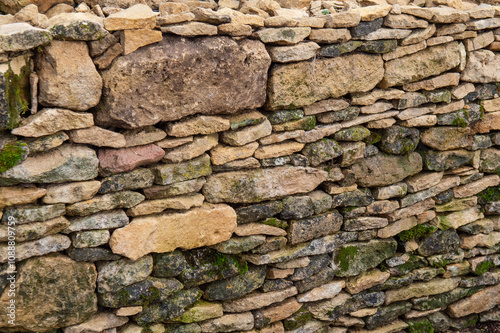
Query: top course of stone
28	24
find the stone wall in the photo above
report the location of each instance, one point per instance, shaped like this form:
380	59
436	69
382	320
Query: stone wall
207	169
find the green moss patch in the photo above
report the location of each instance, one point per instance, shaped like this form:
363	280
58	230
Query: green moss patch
11	155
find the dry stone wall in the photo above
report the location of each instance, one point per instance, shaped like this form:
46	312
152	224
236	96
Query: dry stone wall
200	168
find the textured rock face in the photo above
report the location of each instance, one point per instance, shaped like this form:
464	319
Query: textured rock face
383	169
292	85
155	83
67	163
52	292
67	83
482	67
431	61
260	185
207	225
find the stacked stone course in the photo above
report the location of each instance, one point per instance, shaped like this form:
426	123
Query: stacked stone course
223	167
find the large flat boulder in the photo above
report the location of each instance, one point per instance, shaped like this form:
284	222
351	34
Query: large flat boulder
203	226
262	184
51	292
178	77
303	83
417	66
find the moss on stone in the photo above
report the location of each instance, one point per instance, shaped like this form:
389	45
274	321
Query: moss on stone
11	155
416	232
483	267
17	92
489	195
346	254
423	326
274	222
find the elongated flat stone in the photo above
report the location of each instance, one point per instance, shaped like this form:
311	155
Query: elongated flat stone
260	185
203	226
50	121
17	195
334	77
172	173
104	220
22	36
258	300
431	61
63	164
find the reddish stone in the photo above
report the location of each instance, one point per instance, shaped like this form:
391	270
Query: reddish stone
126	159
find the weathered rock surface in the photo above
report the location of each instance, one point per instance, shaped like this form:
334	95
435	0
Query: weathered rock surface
50	121
384	169
52	292
115	275
120	160
478	67
207	225
260	185
414	67
63	164
22	36
355	258
66	83
334	77
127	91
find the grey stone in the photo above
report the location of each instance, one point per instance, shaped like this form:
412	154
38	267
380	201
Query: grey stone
321	245
364	28
27	214
399	140
104	220
166	191
355	258
92	254
335	50
170	308
321	151
316	264
151	290
346	114
237	245
167	174
274	285
359	197
444	160
379	46
21	37
387	314
313	227
236	286
440	242
115	275
168	264
132	180
64	164
297	207
258	211
207	265
324	276
76	26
